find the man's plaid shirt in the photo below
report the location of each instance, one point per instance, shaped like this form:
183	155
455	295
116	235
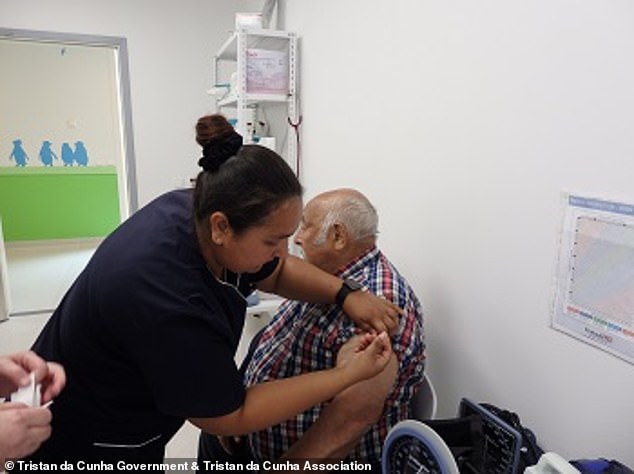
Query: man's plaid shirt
305	337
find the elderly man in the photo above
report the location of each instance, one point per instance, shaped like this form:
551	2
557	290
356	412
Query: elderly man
338	234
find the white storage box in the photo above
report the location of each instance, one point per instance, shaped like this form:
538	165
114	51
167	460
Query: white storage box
248	20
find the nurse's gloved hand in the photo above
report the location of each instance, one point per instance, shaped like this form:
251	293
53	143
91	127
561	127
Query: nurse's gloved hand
369	356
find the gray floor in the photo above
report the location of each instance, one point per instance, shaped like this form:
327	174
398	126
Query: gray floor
18	333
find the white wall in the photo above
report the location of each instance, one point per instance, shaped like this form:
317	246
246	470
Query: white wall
463	121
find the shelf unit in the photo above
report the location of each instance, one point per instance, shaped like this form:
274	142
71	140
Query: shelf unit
243	104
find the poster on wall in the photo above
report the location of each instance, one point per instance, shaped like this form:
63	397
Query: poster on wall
594	299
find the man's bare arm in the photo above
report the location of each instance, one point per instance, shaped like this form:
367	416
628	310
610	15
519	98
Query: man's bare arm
347	418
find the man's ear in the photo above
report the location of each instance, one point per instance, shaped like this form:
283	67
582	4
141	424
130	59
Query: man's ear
340	236
219	227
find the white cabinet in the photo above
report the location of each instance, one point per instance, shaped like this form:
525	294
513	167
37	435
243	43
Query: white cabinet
255	82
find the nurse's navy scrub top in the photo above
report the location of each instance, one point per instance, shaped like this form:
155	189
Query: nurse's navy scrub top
147	337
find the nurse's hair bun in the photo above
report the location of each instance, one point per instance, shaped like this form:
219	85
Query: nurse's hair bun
218	139
218	150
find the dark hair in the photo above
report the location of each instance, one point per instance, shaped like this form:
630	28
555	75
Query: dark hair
246	187
210	127
218	139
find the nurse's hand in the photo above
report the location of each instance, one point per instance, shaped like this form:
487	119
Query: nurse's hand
362	404
372	313
368	358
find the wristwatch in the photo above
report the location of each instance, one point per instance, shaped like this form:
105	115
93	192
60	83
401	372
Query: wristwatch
349	285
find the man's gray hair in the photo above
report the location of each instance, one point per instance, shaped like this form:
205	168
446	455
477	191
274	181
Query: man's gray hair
354	211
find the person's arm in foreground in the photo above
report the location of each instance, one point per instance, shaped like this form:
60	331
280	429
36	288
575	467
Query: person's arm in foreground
272	402
15	370
346	419
299	280
22	428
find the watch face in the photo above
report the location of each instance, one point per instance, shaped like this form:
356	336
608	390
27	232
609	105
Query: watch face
353	285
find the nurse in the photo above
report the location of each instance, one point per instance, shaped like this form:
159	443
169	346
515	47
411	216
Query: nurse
148	331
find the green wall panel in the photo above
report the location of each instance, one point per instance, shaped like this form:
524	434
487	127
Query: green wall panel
58	203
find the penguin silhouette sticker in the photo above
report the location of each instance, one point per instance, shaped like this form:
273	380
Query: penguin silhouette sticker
67	154
81	154
18	154
47	154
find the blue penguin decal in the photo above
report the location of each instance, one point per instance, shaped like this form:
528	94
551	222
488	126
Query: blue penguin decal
81	154
18	154
47	154
67	154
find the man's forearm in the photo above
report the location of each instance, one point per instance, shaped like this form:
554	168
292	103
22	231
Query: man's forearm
333	436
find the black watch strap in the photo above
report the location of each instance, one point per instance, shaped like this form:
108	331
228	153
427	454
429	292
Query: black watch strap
347	287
